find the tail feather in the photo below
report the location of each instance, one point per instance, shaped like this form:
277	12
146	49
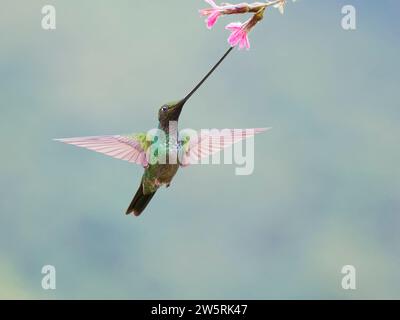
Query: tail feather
139	202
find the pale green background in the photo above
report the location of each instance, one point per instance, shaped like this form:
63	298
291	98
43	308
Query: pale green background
325	191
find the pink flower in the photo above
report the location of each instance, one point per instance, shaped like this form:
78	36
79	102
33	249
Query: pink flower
239	31
239	35
212	13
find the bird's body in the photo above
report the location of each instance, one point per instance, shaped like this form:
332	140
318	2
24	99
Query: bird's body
162	153
154	177
159	174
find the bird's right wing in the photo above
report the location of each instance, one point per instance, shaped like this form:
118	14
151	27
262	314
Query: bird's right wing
131	148
207	143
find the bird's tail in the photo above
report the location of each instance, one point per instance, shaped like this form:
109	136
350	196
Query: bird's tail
139	201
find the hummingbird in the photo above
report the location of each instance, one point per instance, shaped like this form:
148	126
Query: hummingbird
138	148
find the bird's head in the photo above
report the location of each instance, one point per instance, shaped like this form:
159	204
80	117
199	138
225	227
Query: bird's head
170	111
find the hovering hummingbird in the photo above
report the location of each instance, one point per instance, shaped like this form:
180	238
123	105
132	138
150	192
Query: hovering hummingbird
138	148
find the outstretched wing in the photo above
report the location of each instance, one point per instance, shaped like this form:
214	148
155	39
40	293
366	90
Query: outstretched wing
198	146
131	148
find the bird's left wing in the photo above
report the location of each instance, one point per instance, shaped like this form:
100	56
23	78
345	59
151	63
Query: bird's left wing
131	148
204	144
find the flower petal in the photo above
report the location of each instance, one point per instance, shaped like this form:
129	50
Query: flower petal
247	42
212	19
204	12
233	26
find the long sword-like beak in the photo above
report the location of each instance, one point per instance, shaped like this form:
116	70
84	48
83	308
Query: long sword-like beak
184	100
177	109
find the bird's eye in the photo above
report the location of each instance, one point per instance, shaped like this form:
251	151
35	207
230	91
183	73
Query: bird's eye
164	108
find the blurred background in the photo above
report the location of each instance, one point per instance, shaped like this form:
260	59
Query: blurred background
326	186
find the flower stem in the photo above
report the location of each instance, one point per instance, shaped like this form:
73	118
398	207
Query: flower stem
257	6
